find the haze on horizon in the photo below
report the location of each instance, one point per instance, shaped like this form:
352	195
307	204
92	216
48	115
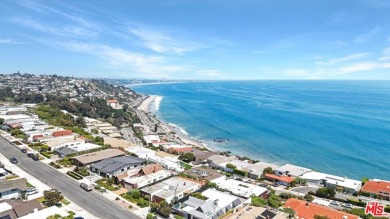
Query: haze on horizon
197	39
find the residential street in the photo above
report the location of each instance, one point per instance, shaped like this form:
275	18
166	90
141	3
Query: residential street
90	201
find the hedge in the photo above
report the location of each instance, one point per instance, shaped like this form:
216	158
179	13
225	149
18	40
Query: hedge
240	172
387	209
74	175
45	154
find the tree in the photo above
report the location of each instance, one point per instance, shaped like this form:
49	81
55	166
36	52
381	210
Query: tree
52	197
166	211
274	201
135	193
265	171
154	206
80	121
150	216
309	198
364	180
231	166
258	202
326	192
1	121
290	212
188	157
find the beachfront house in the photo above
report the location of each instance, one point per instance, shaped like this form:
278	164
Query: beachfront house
291	170
376	188
322	179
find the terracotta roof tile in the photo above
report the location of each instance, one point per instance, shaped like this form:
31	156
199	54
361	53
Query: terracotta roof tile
280	178
307	210
376	186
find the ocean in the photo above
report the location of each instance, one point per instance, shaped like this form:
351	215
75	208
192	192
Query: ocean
336	127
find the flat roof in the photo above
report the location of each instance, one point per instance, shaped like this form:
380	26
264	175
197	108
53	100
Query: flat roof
203	173
293	169
332	179
166	188
241	188
98	156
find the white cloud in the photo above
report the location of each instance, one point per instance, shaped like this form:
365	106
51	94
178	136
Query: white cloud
149	65
363	66
163	42
65	31
10	41
345	58
363	38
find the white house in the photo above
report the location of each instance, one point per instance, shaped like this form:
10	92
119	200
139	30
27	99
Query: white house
170	189
12	188
242	189
327	180
291	170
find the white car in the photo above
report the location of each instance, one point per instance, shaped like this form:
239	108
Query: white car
32	191
346	205
333	202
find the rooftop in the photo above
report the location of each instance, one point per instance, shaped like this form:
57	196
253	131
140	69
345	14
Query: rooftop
20	184
335	180
251	212
308	210
293	170
98	156
112	164
203	173
242	189
218	159
280	178
166	189
376	186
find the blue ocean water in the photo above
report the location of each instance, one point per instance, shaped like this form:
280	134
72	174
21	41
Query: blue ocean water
337	127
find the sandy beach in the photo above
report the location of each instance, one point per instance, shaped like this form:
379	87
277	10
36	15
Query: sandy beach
146	105
151	105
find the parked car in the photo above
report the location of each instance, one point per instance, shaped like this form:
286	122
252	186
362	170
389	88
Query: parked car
32	191
35	157
86	186
333	202
13	160
24	150
347	205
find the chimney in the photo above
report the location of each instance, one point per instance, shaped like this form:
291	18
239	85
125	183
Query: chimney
345	217
307	204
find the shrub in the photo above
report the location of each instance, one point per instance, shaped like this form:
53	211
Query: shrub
309	198
74	175
287	195
258	202
46	154
83	171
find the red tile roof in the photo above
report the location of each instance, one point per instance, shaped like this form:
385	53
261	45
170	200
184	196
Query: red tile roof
179	150
280	178
112	101
35	137
376	186
307	210
62	133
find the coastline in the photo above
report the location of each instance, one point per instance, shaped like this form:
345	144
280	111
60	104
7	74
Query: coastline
151	105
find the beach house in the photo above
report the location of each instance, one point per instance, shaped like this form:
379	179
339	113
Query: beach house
322	179
115	165
376	188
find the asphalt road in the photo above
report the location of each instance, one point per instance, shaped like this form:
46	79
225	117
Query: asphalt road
91	201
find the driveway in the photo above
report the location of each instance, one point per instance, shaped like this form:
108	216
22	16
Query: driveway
304	189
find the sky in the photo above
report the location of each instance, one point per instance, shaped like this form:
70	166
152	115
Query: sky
197	39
